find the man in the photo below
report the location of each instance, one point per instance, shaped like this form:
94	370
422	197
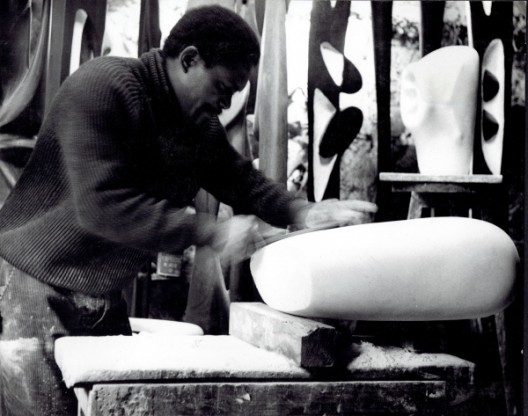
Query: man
120	156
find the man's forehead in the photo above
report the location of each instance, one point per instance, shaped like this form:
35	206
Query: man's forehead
235	78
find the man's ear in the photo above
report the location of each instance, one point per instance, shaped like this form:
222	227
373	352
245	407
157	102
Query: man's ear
189	57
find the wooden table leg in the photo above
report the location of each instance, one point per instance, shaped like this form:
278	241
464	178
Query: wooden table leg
82	401
416	205
500	330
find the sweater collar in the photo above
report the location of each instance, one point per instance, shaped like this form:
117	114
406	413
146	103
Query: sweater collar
161	95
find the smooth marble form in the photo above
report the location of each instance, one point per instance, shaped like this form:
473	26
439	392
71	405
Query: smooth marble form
438	105
423	269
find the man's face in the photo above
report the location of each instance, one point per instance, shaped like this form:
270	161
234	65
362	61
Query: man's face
205	92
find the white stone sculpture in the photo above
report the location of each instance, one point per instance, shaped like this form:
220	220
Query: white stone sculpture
438	106
423	269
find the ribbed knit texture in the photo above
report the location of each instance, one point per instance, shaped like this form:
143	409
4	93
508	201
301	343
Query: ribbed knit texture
111	175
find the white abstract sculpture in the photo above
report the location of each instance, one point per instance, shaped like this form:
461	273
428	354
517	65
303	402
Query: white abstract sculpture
424	269
492	111
438	105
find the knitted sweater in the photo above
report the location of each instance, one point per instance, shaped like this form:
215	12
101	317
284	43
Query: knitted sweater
113	171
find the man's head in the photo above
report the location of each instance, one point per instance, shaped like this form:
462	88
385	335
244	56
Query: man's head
210	53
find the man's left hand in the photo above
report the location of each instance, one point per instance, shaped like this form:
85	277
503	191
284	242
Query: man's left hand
334	213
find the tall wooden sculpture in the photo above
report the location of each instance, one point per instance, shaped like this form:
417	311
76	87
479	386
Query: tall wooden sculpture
329	73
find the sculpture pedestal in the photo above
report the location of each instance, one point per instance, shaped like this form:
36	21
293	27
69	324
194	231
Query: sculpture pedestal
196	375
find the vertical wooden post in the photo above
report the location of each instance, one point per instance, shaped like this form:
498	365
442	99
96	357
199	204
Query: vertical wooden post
60	40
382	30
271	118
21	67
432	14
149	27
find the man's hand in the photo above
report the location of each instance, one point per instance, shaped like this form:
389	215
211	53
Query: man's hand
235	239
334	213
238	237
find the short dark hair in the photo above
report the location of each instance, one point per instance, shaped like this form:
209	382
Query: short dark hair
221	36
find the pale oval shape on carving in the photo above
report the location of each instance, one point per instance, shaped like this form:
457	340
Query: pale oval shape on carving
334	61
487	5
324	110
414	270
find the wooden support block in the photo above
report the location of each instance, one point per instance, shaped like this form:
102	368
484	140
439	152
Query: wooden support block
270	398
413	178
308	343
374	362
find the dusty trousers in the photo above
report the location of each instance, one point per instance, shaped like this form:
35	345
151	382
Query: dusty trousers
32	316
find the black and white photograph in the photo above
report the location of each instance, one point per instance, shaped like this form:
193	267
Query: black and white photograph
263	208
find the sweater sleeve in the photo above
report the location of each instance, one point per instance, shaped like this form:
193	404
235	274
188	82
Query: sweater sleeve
233	180
98	111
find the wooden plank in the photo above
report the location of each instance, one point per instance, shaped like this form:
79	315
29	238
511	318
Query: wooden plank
440	184
308	343
419	178
437	188
271	398
376	362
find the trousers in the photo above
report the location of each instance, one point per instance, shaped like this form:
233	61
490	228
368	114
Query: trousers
32	316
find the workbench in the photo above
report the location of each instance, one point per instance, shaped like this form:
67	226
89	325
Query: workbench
166	375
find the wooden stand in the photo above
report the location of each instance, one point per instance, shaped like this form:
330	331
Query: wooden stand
478	196
451	192
194	375
266	398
